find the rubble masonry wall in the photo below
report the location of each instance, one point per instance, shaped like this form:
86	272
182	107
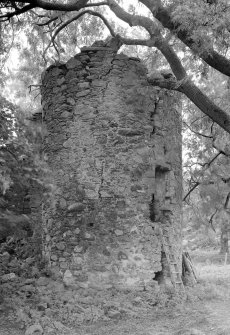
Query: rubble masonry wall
113	146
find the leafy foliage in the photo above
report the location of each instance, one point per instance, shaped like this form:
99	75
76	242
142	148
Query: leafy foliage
18	167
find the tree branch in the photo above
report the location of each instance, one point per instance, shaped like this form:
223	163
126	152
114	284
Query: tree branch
134	20
5	148
227	201
191	189
183	84
18	11
196	132
47	22
186	86
158	80
197	183
211	220
76	17
212	160
96	4
223	152
58	6
212	58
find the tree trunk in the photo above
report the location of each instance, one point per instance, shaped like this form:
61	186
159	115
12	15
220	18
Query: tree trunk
224	241
225	228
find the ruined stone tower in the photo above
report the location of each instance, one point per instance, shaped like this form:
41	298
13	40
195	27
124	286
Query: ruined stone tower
113	146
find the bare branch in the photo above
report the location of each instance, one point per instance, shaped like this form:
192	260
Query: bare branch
227	201
196	132
5	148
198	119
207	165
197	183
47	22
225	153
76	17
36	87
191	189
211	220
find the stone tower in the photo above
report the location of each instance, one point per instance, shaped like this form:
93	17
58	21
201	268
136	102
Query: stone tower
113	147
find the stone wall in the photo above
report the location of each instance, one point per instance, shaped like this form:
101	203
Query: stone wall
113	146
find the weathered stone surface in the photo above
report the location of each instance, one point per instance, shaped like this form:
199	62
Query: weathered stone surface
34	330
82	93
43	281
62	202
78	249
113	146
118	232
66	115
8	277
71	101
73	63
68	278
129	132
76	207
60	246
84	85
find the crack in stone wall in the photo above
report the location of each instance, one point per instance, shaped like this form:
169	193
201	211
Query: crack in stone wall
105	160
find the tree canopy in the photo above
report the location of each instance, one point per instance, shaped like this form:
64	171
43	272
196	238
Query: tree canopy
192	35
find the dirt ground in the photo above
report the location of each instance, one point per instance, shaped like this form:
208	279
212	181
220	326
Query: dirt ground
211	318
205	312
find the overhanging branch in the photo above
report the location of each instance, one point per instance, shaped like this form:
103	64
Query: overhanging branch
212	57
18	11
76	17
134	20
30	4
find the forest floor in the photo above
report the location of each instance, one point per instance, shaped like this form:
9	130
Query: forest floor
204	312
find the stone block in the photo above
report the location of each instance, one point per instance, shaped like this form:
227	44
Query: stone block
76	207
64	265
70	101
78	249
56	72
82	94
62	201
68	278
118	232
60	81
66	115
73	63
61	246
83	85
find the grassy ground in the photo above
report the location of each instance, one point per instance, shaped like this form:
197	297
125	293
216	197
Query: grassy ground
213	273
214	287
